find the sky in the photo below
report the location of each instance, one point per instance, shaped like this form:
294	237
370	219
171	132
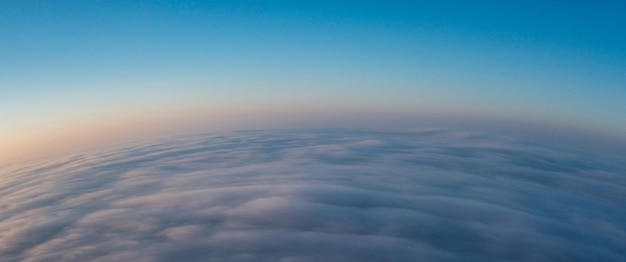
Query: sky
75	72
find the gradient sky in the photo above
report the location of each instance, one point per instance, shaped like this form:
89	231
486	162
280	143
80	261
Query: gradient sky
68	67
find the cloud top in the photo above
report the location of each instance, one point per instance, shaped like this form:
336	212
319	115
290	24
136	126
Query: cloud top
318	195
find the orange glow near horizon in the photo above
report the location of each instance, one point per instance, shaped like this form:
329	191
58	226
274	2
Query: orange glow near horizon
47	138
43	139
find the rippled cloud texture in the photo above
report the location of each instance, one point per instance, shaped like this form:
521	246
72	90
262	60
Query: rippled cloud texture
330	195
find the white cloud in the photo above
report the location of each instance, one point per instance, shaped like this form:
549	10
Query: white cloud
339	195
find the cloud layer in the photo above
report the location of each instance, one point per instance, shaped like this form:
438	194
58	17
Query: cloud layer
323	195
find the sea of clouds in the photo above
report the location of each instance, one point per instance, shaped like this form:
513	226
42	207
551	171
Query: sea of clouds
318	195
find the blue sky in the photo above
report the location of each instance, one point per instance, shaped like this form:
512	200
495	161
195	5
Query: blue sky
560	62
